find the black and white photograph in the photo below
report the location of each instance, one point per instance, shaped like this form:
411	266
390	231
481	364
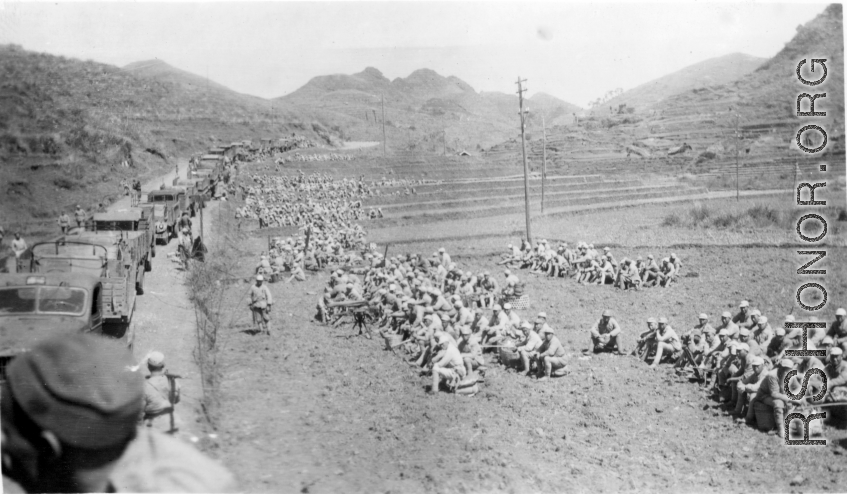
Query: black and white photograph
422	247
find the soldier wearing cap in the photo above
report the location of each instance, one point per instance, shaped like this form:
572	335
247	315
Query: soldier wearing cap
551	354
651	272
470	350
514	320
666	341
64	222
701	327
79	216
744	337
541	322
19	247
747	386
489	290
260	304
743	317
778	343
480	322
667	273
159	398
450	367
528	348
727	324
445	257
70	412
628	276
770	393
512	282
762	333
718	349
605	333
646	338
184	222
838	329
836	373
493	334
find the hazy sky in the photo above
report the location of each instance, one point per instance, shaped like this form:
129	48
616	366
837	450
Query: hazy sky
576	51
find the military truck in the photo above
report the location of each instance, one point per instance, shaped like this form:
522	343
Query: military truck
37	305
137	219
118	259
168	205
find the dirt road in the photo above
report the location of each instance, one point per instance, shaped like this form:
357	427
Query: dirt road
164	320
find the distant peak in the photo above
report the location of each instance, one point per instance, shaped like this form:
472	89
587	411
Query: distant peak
372	72
155	62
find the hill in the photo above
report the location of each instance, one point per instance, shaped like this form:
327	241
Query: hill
66	124
422	108
711	72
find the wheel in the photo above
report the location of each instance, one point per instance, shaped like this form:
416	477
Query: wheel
153	249
148	265
139	285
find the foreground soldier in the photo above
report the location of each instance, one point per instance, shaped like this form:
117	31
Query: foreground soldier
450	367
528	349
157	393
70	410
604	334
64	222
470	350
771	394
260	304
666	341
551	354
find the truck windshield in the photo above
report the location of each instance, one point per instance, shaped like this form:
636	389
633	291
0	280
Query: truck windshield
47	299
163	198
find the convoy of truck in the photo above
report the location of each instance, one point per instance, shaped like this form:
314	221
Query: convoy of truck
88	279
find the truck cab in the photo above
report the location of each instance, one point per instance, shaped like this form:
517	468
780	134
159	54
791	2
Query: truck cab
168	205
34	306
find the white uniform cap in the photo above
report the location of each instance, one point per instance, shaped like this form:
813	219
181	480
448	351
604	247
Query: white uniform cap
841	312
507	306
703	315
835	351
156	359
757	361
744	303
260	277
726	314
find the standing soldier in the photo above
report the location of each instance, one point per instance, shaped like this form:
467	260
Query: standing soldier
161	393
184	223
64	222
18	247
79	216
260	303
136	187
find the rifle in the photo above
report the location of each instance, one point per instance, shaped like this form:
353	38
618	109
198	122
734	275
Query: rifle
172	395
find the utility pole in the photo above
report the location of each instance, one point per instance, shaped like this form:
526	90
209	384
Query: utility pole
543	159
444	135
383	125
522	114
737	196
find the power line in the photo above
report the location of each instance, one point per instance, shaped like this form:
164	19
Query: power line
522	114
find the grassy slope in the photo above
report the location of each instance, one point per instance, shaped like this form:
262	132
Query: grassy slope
65	122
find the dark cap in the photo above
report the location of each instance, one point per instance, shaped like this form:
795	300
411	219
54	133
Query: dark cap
78	387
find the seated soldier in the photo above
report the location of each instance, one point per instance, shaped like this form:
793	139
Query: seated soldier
470	350
667	273
551	354
628	277
514	320
494	333
838	329
647	338
770	394
651	272
528	348
727	324
667	342
450	367
604	334
748	385
836	373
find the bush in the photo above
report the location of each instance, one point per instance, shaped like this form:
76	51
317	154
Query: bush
672	219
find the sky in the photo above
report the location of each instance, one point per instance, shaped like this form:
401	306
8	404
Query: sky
574	51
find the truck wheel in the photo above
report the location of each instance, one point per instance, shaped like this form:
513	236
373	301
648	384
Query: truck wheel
148	265
153	249
139	285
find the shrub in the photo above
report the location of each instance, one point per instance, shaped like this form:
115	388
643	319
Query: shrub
672	219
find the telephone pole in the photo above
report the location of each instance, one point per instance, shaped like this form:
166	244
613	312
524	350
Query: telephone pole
444	135
543	159
736	155
383	125
522	114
